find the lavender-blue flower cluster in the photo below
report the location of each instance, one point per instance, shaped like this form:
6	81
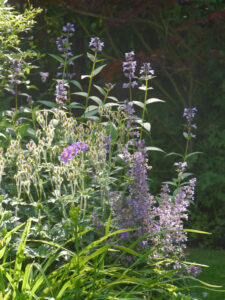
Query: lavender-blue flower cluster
189	114
65	47
146	71
134	211
61	92
96	44
73	150
129	67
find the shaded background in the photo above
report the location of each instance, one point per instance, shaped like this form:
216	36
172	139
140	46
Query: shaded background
185	43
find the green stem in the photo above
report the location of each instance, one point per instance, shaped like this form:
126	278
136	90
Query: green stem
145	100
90	81
105	98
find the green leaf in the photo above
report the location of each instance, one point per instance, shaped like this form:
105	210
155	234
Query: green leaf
74	57
196	231
25	285
98	70
153	100
96	99
174	154
20	253
101	90
47	103
193	153
23	129
185	134
74	105
77	84
58	58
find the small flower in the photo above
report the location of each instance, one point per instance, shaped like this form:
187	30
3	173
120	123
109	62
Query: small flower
44	76
96	45
61	92
71	151
69	29
146	71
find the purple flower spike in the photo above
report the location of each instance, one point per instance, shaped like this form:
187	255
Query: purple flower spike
146	71
96	45
68	28
129	66
189	114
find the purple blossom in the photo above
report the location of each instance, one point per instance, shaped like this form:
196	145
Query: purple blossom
146	71
129	67
189	114
14	77
69	29
134	211
181	166
95	44
61	92
73	150
127	108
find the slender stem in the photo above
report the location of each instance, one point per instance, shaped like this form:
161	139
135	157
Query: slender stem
145	100
105	98
90	81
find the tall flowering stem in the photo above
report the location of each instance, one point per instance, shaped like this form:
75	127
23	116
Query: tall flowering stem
96	45
64	46
146	73
129	67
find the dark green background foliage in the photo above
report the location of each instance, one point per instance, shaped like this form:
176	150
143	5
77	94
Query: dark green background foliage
184	41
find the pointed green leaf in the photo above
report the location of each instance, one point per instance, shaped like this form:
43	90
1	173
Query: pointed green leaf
96	99
139	103
101	90
74	57
77	84
98	70
58	58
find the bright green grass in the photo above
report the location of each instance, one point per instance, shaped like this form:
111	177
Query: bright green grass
215	274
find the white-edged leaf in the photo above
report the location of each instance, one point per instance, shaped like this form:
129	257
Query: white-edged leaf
145	125
143	88
1	134
153	100
96	99
85	76
83	94
110	104
98	70
154	149
139	103
90	108
113	98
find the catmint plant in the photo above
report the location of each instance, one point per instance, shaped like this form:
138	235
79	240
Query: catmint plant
96	46
129	67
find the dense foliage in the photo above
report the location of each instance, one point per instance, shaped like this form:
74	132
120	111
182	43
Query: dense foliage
78	218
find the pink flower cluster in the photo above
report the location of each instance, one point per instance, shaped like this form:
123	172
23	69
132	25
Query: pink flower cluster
71	151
